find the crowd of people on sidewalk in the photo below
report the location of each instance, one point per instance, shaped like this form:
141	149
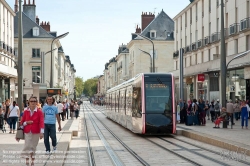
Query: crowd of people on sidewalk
195	112
38	121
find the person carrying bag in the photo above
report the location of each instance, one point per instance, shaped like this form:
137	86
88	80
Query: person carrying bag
33	128
12	116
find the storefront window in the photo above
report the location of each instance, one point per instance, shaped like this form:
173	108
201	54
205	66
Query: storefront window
236	85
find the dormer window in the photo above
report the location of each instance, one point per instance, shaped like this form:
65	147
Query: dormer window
35	31
152	34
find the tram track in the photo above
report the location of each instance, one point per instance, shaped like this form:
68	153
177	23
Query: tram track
211	157
90	151
209	150
143	162
167	149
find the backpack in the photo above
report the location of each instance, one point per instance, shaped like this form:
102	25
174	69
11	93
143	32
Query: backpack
216	106
199	108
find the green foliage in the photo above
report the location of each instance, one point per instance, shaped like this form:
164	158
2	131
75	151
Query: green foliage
79	84
90	87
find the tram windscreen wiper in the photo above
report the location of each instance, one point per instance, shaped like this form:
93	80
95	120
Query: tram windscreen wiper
159	80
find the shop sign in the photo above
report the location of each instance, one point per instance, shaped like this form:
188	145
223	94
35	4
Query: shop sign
201	77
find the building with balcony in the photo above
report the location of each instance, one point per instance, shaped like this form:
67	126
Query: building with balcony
8	72
37	42
197	33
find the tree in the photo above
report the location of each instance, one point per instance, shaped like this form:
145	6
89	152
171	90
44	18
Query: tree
79	84
90	87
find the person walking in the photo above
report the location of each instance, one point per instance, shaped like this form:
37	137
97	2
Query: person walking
33	128
217	108
244	114
71	107
202	113
13	114
230	110
50	115
207	110
7	105
60	109
237	110
76	110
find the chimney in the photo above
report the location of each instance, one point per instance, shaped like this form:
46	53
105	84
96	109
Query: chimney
138	29
30	10
16	6
37	20
146	19
45	26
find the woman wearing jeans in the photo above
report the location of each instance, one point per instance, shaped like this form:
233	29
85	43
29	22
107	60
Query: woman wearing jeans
13	116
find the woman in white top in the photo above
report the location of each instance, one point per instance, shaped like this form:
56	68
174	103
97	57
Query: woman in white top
13	113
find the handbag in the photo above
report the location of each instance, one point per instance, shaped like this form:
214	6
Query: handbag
19	133
8	115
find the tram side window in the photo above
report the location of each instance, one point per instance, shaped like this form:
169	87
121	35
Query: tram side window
136	104
128	101
121	102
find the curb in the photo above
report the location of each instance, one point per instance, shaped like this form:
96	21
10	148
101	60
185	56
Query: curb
216	141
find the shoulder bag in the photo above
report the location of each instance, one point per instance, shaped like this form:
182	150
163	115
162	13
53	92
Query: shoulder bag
19	133
10	112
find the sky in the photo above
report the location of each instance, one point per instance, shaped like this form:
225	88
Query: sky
97	27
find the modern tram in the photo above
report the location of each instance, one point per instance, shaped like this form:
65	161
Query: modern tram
144	104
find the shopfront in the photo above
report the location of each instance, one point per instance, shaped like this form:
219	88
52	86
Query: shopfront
236	85
202	84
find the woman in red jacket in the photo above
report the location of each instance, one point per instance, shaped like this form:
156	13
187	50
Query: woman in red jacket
33	127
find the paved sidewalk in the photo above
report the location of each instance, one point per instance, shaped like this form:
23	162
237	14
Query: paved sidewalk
10	149
236	139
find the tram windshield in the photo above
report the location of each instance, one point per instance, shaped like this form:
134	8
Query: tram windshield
158	95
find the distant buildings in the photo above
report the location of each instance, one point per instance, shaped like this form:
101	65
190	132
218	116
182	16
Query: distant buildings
37	41
130	60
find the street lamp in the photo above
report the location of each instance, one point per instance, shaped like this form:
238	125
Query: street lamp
42	64
150	59
153	49
238	56
223	67
51	68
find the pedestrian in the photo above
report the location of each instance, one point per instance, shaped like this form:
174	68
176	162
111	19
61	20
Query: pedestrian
71	107
230	110
212	110
202	113
13	114
64	109
237	110
76	110
195	112
50	115
7	105
60	110
217	108
33	128
207	109
244	114
181	103
67	109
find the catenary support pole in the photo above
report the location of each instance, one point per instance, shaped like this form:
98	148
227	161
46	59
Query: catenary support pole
20	59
